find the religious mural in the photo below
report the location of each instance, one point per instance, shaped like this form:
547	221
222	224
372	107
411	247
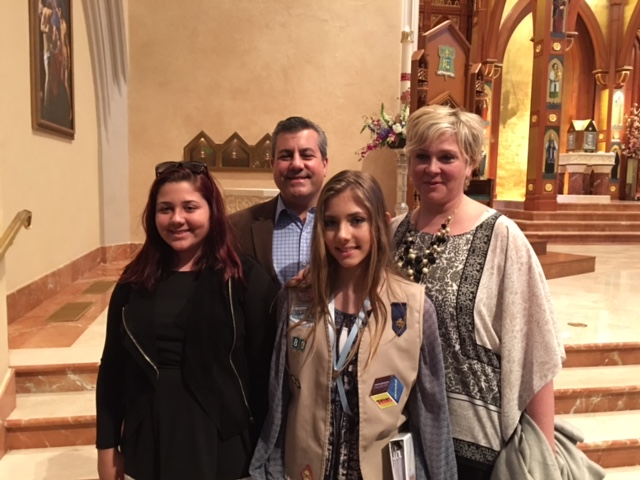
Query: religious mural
445	64
616	166
554	89
617	114
558	17
551	151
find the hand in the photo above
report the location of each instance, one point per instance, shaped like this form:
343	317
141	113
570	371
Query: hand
301	280
110	464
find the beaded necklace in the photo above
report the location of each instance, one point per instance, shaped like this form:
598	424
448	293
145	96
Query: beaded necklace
415	261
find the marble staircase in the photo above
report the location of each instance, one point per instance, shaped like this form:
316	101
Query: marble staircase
598	391
578	223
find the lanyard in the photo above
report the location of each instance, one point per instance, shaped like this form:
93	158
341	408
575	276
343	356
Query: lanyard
340	352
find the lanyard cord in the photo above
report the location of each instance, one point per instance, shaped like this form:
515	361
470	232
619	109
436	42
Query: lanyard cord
340	352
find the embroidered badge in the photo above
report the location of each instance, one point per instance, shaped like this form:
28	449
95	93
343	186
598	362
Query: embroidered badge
306	474
298	344
386	391
399	318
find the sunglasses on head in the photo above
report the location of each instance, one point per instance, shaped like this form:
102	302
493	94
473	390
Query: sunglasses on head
193	167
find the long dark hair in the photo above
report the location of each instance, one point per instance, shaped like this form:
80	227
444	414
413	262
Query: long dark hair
155	258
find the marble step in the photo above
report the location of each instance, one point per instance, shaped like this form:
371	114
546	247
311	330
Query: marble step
592	225
539	246
575	216
51	420
611	439
557	265
602	354
55	463
623	473
613	206
597	389
64	377
590	237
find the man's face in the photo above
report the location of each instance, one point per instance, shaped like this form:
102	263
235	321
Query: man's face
299	169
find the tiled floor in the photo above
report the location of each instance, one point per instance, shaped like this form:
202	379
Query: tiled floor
599	307
605	301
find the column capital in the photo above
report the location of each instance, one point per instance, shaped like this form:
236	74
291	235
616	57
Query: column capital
622	75
601	76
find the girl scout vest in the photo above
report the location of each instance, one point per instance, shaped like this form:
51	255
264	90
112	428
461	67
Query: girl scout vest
383	385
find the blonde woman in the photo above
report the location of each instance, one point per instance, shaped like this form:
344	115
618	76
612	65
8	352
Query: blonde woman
499	338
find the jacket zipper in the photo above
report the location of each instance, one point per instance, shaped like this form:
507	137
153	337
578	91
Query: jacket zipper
233	345
124	322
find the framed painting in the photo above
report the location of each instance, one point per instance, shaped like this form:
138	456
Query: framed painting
51	39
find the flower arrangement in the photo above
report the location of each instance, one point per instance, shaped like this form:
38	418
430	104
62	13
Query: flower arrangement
631	147
386	131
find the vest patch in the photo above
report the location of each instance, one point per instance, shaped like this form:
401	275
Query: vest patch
399	318
307	473
298	344
386	391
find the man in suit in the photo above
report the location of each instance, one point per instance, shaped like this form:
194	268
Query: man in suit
278	232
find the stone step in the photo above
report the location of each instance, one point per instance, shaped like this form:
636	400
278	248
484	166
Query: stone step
578	226
563	237
602	354
65	377
556	265
597	389
539	246
611	439
51	420
613	206
55	463
564	216
623	473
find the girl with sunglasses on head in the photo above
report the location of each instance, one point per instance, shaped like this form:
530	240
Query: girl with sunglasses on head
182	384
355	354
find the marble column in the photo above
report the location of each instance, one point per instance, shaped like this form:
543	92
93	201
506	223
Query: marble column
600	179
562	172
577	174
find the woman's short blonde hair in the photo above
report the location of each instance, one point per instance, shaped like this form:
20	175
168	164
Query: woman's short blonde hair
428	124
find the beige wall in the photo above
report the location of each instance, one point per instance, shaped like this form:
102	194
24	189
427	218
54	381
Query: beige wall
4	334
55	178
244	65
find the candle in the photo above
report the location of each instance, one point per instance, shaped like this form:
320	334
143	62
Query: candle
407	17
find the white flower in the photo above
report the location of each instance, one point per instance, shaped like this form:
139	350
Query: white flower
397	128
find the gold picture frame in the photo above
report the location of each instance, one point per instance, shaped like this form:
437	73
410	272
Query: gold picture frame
51	41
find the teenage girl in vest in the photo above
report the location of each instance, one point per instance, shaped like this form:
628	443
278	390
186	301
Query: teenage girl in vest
357	354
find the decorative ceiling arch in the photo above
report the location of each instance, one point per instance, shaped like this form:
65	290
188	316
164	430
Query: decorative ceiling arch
493	30
518	13
624	58
597	37
523	8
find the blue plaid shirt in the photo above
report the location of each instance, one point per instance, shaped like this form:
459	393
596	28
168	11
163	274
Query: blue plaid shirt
291	242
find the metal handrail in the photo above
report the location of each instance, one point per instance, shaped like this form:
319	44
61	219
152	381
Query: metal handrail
22	219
